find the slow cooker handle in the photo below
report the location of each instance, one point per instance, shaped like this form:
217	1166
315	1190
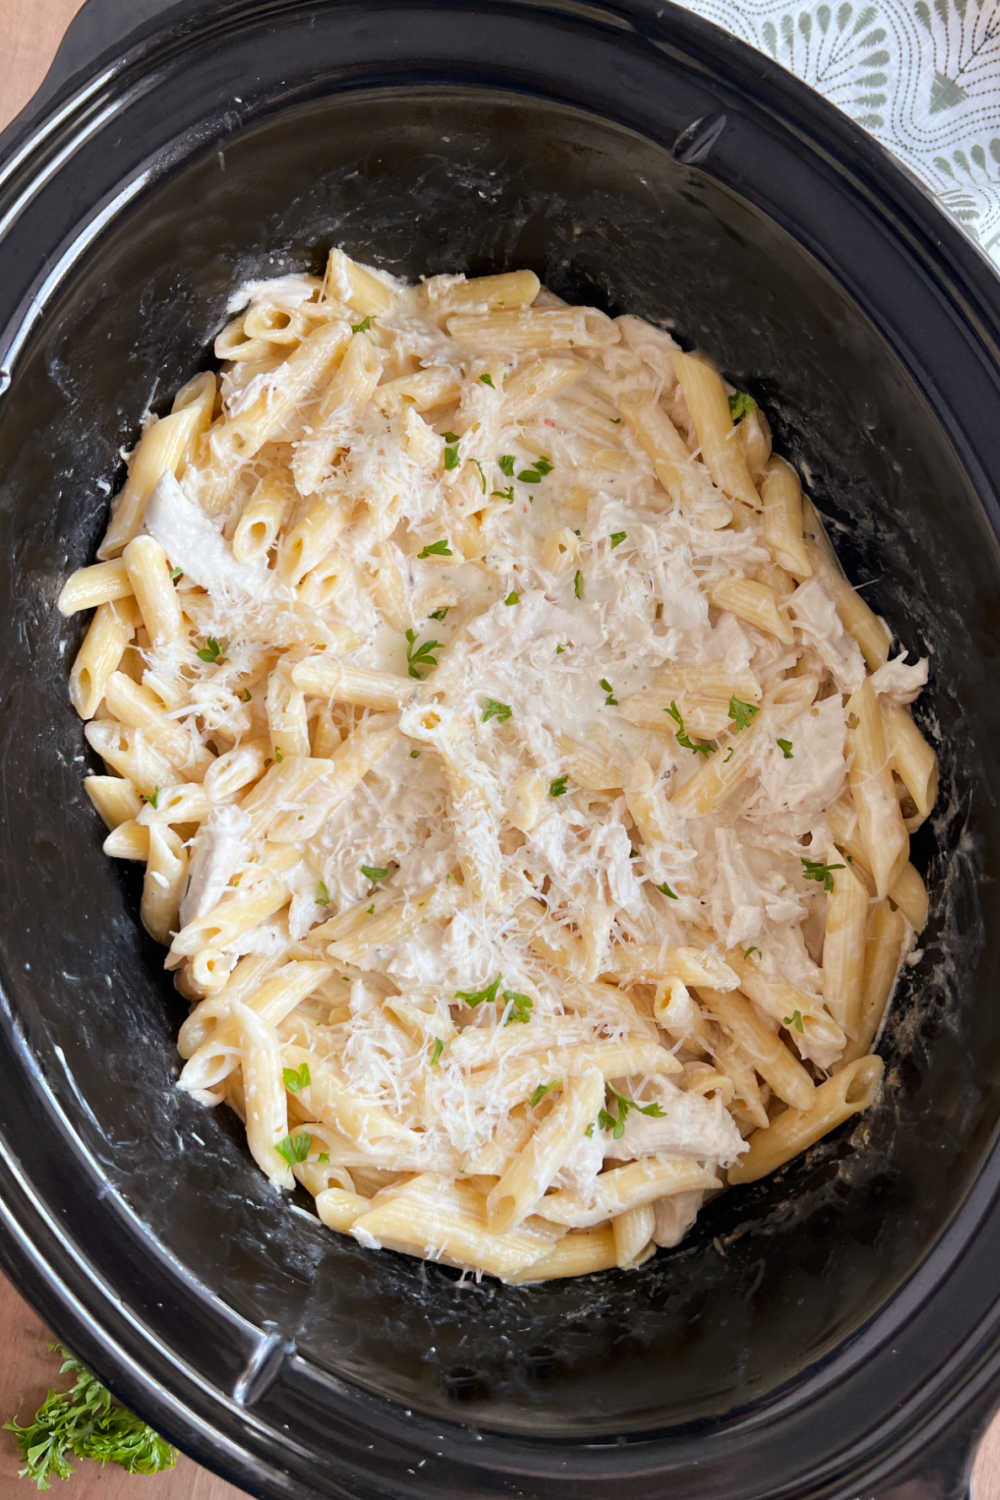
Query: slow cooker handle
98	26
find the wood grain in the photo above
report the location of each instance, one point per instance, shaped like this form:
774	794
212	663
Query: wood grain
30	31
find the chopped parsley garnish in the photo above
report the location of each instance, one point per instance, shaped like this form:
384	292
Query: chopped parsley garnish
436	549
438	614
295	1148
683	738
795	1019
418	657
728	756
246	695
363	326
414	754
741	713
557	788
279	754
747	952
324	1158
295	1079
590	1129
560	650
176	573
741	402
617	537
785	746
616	420
322	893
520	1007
815	869
607	1121
436	1053
633	854
493	709
542	1090
451	457
578	584
370	910
507	494
154	799
484	996
542	465
86	1422
213	650
374	873
529	476
513	598
482	476
450	437
505	463
609	690
665	890
488	380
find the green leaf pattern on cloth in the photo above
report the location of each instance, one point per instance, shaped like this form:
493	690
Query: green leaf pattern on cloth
921	75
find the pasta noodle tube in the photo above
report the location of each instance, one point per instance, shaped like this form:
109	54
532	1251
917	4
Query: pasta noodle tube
537	328
691	965
781	492
285	707
913	760
346	281
860	621
340	1209
163	448
910	894
847	1093
887	940
309	540
233	916
708	406
761	1046
529	388
821	1038
443	1220
347	767
100	583
114	798
880	822
264	514
137	708
244	435
627	1187
100	655
166	867
530	1174
754	432
579	1253
130	754
510	289
754	602
264	1099
674	466
149	576
633	1231
320	677
844	947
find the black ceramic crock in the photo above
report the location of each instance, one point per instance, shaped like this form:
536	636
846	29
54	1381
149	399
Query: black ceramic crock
831	1332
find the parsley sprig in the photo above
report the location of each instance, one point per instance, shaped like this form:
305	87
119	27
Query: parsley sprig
741	713
86	1422
683	738
616	1124
295	1148
295	1079
740	403
493	709
542	1090
420	656
519	1006
213	651
815	869
436	549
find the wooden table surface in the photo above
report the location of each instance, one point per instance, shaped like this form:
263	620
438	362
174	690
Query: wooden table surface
29	34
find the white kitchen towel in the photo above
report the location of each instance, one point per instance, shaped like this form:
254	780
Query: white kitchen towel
922	75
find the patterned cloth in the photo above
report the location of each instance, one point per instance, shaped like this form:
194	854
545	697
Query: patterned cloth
921	75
